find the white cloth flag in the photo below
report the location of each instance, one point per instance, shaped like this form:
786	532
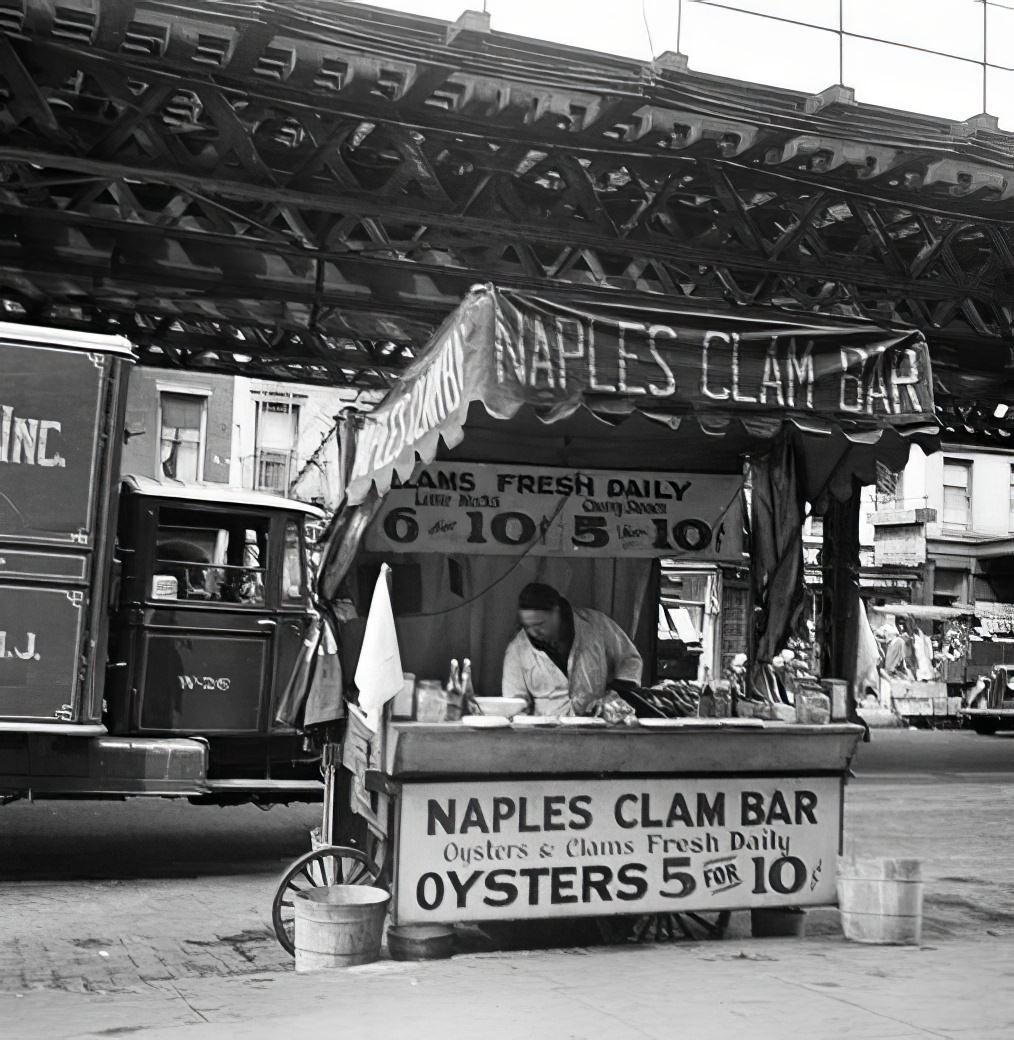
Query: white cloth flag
867	658
379	674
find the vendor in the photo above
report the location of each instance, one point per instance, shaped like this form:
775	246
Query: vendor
566	659
900	657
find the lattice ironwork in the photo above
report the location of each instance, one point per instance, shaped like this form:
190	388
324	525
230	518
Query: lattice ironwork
304	190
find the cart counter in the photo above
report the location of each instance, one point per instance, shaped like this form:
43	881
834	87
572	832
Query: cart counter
522	823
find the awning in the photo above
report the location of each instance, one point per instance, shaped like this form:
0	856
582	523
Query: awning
507	350
921	611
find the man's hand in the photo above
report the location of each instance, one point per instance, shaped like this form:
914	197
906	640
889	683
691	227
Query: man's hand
615	710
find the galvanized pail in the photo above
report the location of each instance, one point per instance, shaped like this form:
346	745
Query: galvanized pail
881	900
339	926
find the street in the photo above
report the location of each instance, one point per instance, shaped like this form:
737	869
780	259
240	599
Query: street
123	896
113	896
936	752
147	839
161	838
944	797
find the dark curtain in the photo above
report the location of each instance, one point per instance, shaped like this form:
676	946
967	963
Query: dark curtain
776	560
467	606
314	693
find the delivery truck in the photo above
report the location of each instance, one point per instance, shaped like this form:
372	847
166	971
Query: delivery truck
148	629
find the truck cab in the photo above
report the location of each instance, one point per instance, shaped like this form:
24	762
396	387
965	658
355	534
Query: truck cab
211	609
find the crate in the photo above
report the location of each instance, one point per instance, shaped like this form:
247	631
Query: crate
912	698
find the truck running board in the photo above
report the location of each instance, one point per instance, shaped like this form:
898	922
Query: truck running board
261	784
54	766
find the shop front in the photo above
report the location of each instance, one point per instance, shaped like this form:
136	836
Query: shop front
536	444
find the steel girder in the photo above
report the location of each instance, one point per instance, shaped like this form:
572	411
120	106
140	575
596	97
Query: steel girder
303	191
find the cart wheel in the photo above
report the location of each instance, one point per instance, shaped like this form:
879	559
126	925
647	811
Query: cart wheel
329	865
670	927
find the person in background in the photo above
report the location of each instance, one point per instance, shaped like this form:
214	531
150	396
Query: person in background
566	659
899	658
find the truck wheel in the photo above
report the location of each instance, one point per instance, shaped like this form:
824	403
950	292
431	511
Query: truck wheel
985	727
329	865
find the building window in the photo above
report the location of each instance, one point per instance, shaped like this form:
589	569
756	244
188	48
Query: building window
1010	521
277	434
948	586
957	493
182	423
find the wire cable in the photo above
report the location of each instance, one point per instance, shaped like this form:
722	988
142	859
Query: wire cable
647	28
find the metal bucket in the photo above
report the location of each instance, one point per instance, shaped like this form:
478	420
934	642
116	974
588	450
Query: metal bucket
420	942
881	900
339	926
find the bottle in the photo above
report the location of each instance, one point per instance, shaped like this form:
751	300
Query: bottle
467	689
452	692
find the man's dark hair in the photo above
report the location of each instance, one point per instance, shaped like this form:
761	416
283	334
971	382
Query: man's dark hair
537	596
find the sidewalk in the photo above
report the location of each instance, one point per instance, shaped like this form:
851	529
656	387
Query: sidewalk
191	957
819	988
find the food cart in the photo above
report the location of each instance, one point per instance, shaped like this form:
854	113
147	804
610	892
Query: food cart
959	676
927	686
988	706
577	445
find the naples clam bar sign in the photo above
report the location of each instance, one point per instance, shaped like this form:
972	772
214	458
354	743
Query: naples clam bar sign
502	510
509	849
509	350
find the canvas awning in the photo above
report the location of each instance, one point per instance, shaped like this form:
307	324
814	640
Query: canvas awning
507	350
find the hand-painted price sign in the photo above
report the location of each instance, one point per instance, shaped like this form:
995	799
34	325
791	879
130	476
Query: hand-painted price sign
515	849
551	512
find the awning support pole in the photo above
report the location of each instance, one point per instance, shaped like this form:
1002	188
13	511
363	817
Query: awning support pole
840	607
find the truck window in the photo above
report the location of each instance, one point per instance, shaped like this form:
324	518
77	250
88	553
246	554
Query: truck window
199	557
292	565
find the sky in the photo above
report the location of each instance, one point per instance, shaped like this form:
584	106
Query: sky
745	47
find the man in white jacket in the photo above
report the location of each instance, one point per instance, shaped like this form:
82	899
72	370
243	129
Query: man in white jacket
566	659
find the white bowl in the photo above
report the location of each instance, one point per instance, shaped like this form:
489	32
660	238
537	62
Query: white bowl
485	721
505	706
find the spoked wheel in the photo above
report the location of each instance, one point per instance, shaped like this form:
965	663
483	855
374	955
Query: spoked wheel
328	865
664	927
